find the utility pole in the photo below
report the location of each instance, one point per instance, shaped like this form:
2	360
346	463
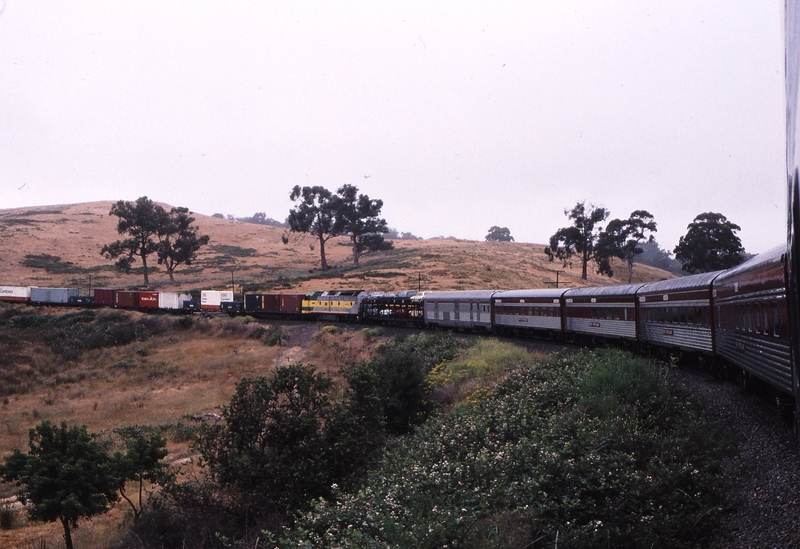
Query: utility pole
557	277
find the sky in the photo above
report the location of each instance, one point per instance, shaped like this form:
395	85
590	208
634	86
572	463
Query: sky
458	115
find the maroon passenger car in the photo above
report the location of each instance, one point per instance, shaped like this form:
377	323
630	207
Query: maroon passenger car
752	319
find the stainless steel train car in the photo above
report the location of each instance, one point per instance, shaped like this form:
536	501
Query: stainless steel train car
676	314
459	309
528	312
601	311
752	325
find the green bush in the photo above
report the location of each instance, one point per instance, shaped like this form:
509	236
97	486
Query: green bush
400	370
539	464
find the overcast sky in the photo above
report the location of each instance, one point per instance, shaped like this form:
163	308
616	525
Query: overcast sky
458	115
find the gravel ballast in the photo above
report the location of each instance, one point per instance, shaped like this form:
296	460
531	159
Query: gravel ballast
763	472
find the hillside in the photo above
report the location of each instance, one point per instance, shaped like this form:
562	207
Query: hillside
60	246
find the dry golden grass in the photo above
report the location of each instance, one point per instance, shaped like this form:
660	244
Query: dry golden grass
182	373
77	232
159	381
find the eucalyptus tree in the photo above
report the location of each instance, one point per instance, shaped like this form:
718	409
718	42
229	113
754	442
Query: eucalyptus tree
581	238
623	238
710	244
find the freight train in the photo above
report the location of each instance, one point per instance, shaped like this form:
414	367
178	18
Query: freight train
736	320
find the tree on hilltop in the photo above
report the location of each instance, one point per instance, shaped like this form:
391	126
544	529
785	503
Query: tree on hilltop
710	244
153	230
139	220
499	234
178	241
361	222
623	238
579	239
316	213
325	215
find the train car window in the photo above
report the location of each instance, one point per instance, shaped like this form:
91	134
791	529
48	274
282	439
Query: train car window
674	315
682	311
749	309
776	321
757	318
735	314
765	314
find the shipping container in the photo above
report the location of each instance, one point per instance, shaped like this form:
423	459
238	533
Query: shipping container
212	299
231	306
104	296
126	299
52	295
148	299
15	293
172	300
83	300
274	303
191	305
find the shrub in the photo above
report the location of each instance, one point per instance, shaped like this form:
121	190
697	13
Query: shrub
533	464
275	335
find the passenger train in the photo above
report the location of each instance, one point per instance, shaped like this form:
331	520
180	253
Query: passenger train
736	320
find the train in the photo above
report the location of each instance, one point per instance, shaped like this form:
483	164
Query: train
735	320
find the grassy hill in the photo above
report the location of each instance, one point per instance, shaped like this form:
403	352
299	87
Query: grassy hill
60	246
170	372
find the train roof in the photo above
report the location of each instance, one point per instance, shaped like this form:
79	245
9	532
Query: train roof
619	289
543	293
461	294
763	260
692	282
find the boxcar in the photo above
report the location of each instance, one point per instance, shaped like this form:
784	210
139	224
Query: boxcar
56	296
459	309
524	312
333	304
605	311
752	318
677	314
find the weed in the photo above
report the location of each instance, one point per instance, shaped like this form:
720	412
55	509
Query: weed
7	517
275	335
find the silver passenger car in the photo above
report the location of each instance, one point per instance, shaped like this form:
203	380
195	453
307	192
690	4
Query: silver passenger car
527	311
604	311
676	313
459	309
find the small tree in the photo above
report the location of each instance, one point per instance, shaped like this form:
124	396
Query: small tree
141	221
623	239
66	475
316	212
710	244
361	222
178	241
499	234
271	448
141	462
580	239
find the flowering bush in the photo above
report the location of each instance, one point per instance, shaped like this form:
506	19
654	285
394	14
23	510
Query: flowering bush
558	455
